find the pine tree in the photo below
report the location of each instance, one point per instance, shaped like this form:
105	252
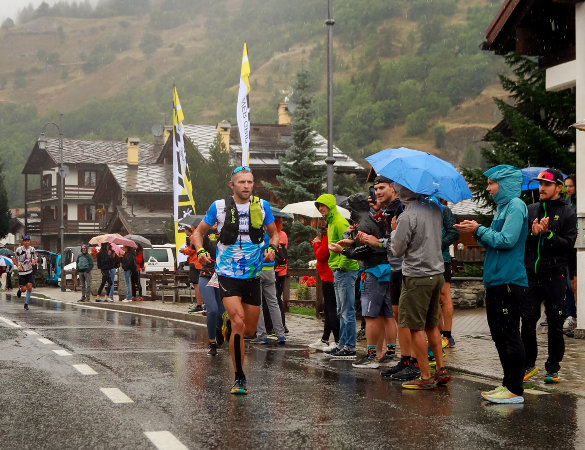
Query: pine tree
300	179
535	129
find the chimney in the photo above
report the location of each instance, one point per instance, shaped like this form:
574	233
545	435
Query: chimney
283	114
223	128
132	145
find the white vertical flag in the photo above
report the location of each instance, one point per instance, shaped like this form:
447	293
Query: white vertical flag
244	109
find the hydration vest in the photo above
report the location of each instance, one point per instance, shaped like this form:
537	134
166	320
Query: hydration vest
231	227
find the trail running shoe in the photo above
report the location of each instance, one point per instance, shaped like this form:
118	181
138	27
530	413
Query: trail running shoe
504	396
394	369
530	372
212	349
493	391
444	342
410	372
281	340
551	378
388	357
226	327
442	376
344	353
451	342
368	361
420	383
239	387
329	353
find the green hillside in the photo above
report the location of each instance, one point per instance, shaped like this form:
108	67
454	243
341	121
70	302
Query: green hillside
407	72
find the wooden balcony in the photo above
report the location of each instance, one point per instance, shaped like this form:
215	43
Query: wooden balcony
51	193
48	227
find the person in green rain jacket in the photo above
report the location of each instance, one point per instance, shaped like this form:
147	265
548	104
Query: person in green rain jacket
345	272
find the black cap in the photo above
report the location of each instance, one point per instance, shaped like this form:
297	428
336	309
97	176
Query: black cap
550	175
382	179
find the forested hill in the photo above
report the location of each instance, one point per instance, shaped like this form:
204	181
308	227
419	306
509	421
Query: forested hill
407	72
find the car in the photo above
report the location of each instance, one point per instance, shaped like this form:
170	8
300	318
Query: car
159	257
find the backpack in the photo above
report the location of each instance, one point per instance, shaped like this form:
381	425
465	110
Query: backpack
231	227
281	256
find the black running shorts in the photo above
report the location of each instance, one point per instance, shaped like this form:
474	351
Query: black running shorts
248	290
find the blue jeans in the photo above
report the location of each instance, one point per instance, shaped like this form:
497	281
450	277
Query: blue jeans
213	306
344	284
128	281
112	275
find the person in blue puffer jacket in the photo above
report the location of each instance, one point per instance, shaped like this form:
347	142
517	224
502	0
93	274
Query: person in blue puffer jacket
504	276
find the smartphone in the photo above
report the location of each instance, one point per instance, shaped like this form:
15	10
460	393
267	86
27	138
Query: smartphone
373	195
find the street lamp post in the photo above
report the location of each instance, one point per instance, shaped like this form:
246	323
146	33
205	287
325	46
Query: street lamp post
42	142
330	160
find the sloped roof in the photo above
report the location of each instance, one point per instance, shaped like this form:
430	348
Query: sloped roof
143	221
88	152
145	178
268	143
469	207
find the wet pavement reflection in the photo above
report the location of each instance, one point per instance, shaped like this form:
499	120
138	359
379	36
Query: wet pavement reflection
297	398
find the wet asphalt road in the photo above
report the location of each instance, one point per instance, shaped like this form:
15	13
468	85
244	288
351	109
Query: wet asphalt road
297	398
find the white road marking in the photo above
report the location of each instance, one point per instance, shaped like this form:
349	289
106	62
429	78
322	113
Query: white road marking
84	369
165	440
31	332
116	395
45	341
62	352
10	323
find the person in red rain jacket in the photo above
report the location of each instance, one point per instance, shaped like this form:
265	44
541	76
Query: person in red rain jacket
321	250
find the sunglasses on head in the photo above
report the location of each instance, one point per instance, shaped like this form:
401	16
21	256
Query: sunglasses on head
240	168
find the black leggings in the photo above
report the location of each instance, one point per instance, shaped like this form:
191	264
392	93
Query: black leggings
106	281
330	310
136	286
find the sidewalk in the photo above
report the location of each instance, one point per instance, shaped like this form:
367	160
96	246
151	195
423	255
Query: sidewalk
474	353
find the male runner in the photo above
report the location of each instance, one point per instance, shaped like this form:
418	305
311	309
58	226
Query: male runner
25	257
241	220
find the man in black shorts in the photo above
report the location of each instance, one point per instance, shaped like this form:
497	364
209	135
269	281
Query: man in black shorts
241	220
25	257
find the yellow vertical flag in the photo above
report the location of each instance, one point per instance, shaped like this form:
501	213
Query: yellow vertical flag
243	109
183	202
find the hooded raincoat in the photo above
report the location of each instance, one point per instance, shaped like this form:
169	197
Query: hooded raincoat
505	239
336	226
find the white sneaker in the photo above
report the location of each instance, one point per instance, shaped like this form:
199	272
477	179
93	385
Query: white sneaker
127	301
332	346
319	345
570	323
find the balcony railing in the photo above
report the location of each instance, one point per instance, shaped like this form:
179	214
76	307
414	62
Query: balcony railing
52	193
46	227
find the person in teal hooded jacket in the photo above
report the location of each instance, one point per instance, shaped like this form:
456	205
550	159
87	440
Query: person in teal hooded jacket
345	272
504	276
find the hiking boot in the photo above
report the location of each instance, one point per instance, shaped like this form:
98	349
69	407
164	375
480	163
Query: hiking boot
420	383
212	349
552	377
367	361
410	372
344	353
442	376
394	369
504	396
569	324
239	387
530	372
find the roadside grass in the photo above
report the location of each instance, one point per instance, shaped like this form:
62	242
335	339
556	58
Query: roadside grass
303	310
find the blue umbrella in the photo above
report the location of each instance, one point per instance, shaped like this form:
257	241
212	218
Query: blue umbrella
421	172
528	173
5	261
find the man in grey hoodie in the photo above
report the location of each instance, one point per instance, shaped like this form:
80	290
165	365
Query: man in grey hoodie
417	239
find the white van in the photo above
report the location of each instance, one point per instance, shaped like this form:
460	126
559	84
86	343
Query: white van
159	257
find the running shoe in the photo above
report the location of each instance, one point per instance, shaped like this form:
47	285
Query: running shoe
569	324
552	377
420	383
260	340
530	372
451	342
344	353
26	306
331	352
239	387
388	357
361	335
212	349
196	309
109	300
442	376
492	392
226	327
394	369
319	344
368	361
281	340
444	342
504	396
410	372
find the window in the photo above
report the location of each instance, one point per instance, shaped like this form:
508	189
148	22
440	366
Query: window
86	213
160	254
88	178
